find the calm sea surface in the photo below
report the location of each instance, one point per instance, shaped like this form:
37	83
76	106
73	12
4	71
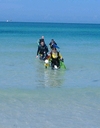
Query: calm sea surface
34	97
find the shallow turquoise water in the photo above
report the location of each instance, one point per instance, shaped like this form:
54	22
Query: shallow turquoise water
52	108
32	96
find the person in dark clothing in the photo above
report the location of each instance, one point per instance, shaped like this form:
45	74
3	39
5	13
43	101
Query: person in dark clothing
52	43
42	51
41	40
55	57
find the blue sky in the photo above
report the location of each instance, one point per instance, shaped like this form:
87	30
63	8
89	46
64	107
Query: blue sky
65	11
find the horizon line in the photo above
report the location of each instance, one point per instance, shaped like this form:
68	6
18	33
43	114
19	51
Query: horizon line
10	21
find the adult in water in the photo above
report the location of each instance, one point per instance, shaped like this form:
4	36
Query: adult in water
52	42
41	40
42	51
55	57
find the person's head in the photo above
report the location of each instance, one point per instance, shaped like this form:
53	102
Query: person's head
42	37
42	43
54	49
52	40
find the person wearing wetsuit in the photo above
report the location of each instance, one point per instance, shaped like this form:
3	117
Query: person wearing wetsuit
41	40
55	57
42	51
52	43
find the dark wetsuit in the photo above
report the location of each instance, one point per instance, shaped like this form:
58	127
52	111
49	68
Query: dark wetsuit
42	50
55	61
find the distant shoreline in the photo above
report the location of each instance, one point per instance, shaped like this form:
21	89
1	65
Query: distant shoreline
46	22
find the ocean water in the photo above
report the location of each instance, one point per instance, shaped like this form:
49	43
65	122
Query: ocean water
34	97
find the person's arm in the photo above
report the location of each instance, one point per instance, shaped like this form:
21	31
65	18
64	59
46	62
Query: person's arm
46	49
38	51
61	58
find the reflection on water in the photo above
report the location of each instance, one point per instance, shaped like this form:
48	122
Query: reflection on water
48	77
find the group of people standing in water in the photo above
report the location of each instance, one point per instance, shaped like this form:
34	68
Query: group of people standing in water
54	56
